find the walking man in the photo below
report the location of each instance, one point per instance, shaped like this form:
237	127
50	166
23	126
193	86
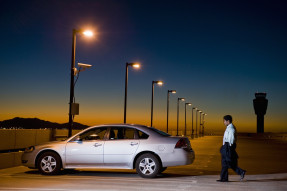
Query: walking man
228	153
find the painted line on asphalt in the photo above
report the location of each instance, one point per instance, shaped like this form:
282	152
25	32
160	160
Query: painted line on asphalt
40	189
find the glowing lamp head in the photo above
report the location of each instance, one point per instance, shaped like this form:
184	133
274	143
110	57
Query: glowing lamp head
188	103
159	83
136	65
181	99
173	91
88	33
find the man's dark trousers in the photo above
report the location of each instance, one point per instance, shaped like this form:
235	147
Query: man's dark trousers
229	160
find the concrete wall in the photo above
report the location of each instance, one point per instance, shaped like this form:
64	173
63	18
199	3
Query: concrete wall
12	159
22	138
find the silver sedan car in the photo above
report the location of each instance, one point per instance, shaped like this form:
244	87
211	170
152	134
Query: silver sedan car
118	146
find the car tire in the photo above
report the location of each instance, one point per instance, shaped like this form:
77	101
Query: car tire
49	163
148	165
162	169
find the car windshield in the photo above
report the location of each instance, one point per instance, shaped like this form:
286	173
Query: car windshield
160	132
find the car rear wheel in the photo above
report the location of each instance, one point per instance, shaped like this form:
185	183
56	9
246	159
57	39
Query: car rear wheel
148	166
49	163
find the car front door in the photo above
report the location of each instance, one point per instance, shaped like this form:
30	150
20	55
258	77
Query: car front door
86	150
120	147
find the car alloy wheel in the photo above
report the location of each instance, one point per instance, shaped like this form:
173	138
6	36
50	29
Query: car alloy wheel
147	166
49	163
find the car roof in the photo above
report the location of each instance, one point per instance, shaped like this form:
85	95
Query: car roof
143	128
137	126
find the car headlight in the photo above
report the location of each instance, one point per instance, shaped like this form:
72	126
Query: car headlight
29	149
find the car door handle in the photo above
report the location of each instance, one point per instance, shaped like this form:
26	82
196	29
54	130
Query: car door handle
97	144
132	144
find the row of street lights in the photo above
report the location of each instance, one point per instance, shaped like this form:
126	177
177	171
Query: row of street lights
137	65
201	122
73	107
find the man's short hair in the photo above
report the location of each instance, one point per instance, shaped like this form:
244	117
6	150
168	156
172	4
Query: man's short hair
228	118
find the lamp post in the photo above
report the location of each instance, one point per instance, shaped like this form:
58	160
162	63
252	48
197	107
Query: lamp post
185	117
197	110
203	123
192	131
178	99
197	131
167	110
200	124
86	33
134	65
158	83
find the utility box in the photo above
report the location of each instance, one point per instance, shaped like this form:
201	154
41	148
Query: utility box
75	109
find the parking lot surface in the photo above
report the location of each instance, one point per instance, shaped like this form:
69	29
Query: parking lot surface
264	159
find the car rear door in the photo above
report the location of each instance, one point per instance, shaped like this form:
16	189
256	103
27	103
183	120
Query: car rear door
120	147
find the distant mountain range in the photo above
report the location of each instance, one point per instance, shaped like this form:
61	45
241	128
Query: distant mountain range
35	123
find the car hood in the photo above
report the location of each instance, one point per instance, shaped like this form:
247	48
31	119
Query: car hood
48	144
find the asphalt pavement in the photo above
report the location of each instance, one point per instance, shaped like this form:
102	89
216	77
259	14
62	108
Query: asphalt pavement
264	159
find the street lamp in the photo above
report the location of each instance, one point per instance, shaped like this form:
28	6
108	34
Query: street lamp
192	131
134	65
158	83
167	111
185	117
178	99
72	83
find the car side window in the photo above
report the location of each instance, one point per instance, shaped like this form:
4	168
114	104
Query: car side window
142	135
93	134
121	133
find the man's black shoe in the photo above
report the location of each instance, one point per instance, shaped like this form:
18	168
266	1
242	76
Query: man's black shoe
242	175
222	180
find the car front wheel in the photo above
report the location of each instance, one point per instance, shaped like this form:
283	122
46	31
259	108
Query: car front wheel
147	166
49	163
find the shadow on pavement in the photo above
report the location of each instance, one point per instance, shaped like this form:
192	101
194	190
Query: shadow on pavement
268	180
106	174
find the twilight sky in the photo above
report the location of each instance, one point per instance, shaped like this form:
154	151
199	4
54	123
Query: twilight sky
216	54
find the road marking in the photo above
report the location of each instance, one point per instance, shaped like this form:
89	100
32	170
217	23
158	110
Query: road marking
40	189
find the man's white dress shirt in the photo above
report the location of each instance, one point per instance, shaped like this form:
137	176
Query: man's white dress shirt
229	134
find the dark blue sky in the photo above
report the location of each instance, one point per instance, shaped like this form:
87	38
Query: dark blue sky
216	54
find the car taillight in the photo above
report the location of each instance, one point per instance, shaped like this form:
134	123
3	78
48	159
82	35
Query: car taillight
181	144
